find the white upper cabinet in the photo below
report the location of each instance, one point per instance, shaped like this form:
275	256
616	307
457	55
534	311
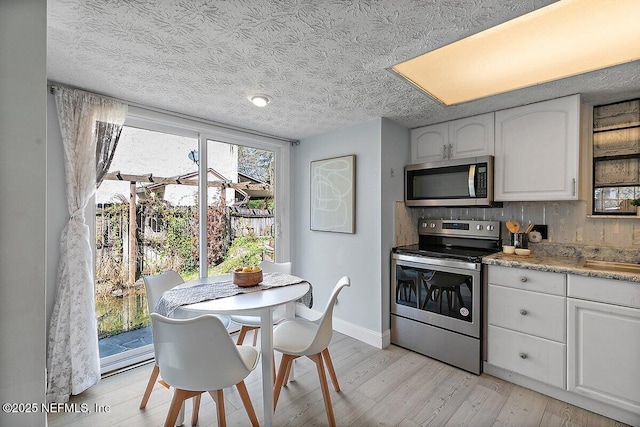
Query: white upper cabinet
429	143
471	137
468	137
537	151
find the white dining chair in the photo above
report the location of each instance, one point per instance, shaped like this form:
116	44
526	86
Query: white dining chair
155	286
297	337
252	323
198	355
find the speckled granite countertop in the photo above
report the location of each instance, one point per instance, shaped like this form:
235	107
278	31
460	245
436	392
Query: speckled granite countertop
557	264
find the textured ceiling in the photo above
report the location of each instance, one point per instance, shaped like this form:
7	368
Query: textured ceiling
324	62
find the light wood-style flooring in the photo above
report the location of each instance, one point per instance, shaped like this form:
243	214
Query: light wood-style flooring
390	387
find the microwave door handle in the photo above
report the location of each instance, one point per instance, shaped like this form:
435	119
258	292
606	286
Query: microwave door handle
472	180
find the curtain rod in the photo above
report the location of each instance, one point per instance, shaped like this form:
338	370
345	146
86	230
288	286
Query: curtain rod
53	86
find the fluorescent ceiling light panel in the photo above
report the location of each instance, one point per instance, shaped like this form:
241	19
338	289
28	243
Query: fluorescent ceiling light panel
564	39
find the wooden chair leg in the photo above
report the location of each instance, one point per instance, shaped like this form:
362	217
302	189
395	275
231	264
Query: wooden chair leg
273	365
176	404
152	380
255	336
287	376
218	397
332	372
287	359
246	401
241	335
196	409
317	358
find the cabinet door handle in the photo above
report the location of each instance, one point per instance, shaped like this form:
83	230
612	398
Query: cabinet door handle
450	151
444	151
523	279
574	187
523	355
523	312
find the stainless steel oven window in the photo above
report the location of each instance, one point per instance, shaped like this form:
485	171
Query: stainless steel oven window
446	293
437	292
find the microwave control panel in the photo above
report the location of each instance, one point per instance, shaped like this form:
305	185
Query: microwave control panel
481	181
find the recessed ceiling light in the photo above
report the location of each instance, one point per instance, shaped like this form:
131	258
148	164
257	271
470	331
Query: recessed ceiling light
564	39
259	100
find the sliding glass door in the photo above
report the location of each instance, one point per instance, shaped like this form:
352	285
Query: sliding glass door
175	198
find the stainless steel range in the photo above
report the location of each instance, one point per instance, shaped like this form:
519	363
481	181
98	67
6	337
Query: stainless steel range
436	290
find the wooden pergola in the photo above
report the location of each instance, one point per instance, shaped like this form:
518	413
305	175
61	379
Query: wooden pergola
188	179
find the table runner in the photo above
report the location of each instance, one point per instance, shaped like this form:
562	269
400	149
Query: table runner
177	297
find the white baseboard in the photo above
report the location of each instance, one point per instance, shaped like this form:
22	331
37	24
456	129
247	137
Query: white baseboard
367	336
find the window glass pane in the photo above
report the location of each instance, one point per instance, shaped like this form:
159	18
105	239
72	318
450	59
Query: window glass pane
616	157
164	233
615	199
241	216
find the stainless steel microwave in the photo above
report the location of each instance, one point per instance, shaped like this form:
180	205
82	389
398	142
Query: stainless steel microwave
459	182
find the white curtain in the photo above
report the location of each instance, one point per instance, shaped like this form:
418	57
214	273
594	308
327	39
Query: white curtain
73	360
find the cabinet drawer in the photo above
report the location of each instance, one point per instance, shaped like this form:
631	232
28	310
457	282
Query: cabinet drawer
609	291
529	280
537	358
534	313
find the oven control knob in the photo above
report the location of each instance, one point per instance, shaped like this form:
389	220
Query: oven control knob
424	225
479	227
432	225
490	227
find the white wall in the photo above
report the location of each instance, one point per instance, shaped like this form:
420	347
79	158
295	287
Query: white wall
324	257
23	151
395	155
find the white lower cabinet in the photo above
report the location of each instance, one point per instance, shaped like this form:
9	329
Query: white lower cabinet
604	347
532	313
526	318
534	357
575	338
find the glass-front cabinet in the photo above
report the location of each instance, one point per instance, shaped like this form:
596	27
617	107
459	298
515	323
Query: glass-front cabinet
616	158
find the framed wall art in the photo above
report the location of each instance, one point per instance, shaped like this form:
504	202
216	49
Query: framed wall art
333	194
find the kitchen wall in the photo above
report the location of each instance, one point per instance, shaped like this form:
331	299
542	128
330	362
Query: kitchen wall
382	149
568	225
23	207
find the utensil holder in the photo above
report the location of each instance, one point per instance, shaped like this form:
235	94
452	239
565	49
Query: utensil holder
520	240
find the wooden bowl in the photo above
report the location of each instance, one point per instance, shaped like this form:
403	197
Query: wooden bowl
246	279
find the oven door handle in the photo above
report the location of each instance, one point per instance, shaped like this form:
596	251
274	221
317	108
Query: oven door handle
472	180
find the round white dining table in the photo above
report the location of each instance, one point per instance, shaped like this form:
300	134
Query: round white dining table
260	303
